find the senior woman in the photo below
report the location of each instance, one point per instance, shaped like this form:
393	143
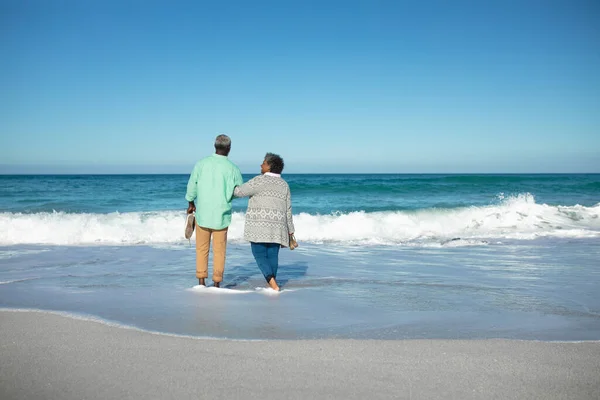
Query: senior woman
269	223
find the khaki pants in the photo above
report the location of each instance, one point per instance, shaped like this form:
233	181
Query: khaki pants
219	239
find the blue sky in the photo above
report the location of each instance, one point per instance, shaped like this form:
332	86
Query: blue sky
348	86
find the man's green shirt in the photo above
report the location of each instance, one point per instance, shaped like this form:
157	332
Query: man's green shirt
211	185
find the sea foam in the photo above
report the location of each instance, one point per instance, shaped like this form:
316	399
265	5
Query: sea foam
516	217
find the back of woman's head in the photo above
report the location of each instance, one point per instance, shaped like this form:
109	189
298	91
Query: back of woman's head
275	163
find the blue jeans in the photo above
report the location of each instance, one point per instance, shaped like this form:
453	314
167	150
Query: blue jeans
267	258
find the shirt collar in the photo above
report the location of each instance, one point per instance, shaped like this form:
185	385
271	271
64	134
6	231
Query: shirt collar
272	174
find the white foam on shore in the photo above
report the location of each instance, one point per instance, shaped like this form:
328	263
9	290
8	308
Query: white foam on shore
4	255
212	289
226	291
113	324
518	217
17	280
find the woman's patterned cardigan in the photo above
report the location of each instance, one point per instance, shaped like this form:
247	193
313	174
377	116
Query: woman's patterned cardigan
269	214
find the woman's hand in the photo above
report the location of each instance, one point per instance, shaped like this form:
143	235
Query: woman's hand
293	242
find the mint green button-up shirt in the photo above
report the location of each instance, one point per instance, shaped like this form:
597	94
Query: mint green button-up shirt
211	186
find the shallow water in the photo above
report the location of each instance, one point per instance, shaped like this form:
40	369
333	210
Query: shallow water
545	289
381	256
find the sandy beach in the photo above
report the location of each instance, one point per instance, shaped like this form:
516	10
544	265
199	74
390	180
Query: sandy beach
49	356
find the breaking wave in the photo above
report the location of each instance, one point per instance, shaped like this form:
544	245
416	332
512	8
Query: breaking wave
516	217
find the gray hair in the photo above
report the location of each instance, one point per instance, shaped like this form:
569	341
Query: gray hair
222	142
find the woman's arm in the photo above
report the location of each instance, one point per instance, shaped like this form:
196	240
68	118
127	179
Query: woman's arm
248	189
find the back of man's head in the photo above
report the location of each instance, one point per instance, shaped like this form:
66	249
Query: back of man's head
223	144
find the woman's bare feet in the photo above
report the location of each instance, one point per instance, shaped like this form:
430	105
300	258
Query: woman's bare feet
273	284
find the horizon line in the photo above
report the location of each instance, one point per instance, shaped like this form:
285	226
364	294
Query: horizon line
302	173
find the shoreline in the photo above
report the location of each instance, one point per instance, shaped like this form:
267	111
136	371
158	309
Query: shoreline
50	356
119	325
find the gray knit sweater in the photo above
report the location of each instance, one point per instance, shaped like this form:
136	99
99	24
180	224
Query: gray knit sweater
269	214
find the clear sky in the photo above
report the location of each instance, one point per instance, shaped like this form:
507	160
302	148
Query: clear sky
333	86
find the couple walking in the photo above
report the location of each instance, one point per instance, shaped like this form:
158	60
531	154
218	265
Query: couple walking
213	183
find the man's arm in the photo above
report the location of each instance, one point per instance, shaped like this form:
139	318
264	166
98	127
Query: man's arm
192	191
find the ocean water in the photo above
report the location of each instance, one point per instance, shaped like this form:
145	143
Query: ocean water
380	257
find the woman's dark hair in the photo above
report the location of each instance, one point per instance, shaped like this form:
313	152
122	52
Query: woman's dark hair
275	162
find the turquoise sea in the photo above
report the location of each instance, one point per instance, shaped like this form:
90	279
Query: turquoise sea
381	256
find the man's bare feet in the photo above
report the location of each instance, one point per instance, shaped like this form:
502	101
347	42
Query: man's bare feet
217	284
201	282
273	284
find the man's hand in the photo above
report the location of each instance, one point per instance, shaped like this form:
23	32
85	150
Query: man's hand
191	208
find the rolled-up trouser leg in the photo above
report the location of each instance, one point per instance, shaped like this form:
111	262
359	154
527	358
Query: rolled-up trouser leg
219	239
273	257
202	246
259	251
